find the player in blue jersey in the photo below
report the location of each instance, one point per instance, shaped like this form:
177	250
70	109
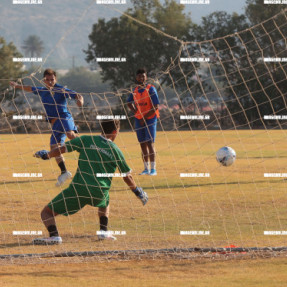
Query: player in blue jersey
54	98
143	102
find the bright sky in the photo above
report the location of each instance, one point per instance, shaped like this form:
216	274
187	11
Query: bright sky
230	6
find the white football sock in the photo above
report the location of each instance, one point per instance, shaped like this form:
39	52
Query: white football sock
146	165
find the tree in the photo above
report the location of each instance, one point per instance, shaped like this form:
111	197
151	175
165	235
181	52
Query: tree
9	70
140	45
257	12
270	42
251	88
84	81
33	46
220	24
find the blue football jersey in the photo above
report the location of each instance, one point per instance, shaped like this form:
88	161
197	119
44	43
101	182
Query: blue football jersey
55	100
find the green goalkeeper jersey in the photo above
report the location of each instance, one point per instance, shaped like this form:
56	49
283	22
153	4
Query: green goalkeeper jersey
98	160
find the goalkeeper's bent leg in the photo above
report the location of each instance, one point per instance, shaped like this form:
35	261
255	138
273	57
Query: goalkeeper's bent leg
48	218
103	213
104	218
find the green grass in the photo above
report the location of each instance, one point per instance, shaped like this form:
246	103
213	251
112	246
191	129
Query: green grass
236	204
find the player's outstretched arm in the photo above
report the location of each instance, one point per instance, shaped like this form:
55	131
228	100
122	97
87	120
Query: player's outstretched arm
16	86
138	191
44	154
130	181
79	100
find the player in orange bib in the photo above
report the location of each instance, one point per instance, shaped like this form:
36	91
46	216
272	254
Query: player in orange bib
143	102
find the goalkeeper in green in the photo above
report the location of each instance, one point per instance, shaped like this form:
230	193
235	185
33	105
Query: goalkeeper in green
99	157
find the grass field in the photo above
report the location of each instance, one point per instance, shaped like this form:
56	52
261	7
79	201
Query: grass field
261	272
235	204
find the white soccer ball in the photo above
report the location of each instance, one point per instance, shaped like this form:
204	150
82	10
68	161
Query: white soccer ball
226	156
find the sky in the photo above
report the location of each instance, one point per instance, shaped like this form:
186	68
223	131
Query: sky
17	22
230	6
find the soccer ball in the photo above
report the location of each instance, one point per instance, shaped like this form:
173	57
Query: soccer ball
226	156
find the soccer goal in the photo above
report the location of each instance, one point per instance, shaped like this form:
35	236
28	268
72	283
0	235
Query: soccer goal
229	91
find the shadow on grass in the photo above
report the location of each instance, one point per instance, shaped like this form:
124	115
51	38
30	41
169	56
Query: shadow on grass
26	181
16	244
214	184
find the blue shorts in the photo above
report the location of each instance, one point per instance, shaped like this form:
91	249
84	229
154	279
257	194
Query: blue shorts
147	132
60	128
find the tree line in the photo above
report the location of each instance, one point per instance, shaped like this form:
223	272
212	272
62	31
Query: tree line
236	79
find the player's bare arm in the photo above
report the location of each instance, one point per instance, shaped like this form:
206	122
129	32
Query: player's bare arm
138	191
130	181
132	108
79	100
16	86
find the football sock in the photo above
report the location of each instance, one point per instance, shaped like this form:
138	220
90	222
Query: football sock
146	165
53	231
152	164
136	192
62	166
104	223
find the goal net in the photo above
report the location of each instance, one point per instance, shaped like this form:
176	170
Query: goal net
229	91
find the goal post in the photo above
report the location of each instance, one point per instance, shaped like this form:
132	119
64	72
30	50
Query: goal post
229	91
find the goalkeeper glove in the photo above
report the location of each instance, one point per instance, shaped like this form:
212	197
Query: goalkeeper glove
43	154
141	195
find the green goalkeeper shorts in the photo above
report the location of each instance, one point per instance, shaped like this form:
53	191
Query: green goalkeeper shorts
75	197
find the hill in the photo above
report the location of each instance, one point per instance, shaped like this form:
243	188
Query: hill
51	21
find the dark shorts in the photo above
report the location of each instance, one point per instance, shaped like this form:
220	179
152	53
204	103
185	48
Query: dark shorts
74	198
60	128
147	132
